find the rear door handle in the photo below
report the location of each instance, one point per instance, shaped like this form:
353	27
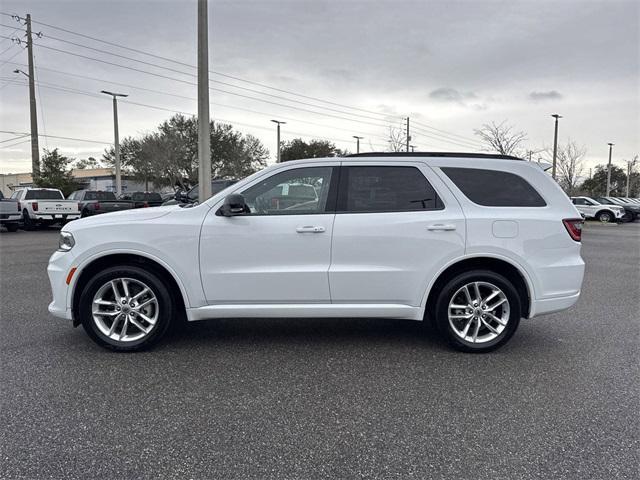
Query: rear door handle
441	227
310	229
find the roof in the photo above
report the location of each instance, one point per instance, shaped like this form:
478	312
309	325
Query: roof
495	156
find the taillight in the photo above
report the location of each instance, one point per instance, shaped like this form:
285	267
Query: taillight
96	206
34	205
145	205
19	206
574	227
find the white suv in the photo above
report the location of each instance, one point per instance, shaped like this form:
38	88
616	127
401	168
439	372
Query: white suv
471	242
604	213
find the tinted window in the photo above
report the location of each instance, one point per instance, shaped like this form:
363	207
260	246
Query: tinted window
99	196
579	201
43	195
385	189
494	188
145	196
292	192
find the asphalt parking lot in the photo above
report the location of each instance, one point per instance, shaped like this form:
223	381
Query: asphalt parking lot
324	398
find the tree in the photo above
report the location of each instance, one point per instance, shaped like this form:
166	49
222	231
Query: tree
55	172
570	166
298	148
397	140
169	156
501	138
597	185
87	163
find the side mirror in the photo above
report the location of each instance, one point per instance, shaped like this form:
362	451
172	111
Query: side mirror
233	205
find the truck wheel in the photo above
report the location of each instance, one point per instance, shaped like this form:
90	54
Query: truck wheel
477	311
12	227
125	308
27	223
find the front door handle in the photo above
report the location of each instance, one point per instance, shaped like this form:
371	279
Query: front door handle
441	227
310	229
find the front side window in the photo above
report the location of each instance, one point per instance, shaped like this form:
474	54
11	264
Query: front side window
98	195
494	188
292	192
385	189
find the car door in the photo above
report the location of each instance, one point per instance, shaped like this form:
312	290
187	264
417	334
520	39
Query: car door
396	226
280	251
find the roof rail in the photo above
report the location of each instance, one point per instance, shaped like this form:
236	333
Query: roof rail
435	154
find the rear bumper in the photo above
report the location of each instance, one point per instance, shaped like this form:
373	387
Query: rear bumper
58	217
4	218
552	305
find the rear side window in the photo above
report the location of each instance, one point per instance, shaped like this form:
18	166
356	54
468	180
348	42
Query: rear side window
43	195
494	188
97	195
385	189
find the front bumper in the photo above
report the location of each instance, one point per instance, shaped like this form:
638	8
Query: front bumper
60	264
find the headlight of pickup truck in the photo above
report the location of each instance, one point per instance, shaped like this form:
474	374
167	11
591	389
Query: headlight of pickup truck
66	242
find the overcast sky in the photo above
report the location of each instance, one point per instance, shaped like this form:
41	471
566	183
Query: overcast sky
451	65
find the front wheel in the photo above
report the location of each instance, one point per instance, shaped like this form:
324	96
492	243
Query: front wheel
126	308
477	311
604	217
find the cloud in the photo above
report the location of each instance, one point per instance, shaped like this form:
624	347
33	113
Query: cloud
543	96
447	94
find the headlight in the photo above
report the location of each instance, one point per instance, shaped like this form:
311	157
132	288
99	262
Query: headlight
66	242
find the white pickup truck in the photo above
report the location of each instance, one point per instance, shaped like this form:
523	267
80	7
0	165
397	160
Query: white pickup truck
45	206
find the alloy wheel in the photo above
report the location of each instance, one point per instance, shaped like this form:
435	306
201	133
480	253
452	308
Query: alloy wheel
478	312
125	309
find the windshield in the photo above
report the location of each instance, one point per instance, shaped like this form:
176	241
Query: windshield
41	194
216	187
99	196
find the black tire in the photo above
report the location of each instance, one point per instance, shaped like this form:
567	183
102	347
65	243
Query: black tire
446	294
27	223
166	307
628	217
12	227
84	213
605	217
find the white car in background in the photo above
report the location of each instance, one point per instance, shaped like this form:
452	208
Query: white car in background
471	242
591	208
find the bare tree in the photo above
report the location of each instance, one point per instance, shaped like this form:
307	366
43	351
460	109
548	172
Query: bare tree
501	138
570	166
397	140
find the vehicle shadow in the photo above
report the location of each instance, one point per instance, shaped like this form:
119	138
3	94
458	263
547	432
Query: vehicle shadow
318	331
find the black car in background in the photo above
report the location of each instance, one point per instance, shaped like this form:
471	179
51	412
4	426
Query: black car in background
143	199
94	202
631	211
191	196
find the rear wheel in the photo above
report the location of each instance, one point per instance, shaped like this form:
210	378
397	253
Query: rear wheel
12	227
477	311
126	308
27	223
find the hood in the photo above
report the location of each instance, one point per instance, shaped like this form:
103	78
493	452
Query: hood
123	216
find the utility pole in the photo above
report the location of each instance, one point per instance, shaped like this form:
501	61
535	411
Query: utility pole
357	142
35	149
628	177
116	138
609	170
204	139
413	148
408	134
278	137
555	146
529	152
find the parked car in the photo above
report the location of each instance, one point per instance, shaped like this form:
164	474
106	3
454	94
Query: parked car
143	199
9	213
631	210
471	242
44	207
95	202
191	196
593	209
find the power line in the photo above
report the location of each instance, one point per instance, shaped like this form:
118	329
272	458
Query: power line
14	138
160	57
58	137
11	57
4	147
216	104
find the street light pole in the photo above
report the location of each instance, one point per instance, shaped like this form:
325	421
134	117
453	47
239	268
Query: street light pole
278	137
116	139
555	145
357	142
609	170
413	148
